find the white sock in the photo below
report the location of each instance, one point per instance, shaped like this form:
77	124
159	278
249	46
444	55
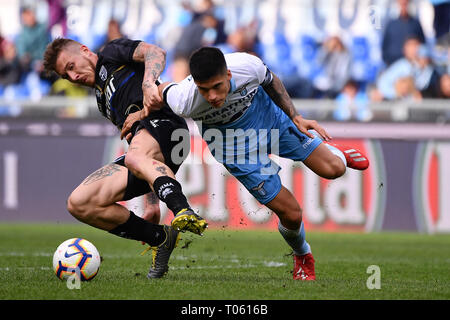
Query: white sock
334	150
337	152
295	239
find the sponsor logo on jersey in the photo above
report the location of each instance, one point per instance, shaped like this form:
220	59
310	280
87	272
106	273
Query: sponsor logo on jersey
243	90
224	114
110	89
155	122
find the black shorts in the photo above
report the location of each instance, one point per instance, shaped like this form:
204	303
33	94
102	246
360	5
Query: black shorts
135	186
172	134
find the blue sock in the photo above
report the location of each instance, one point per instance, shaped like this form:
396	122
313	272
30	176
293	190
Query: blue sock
295	239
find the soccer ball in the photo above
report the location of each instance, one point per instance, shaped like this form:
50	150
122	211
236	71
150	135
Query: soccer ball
76	255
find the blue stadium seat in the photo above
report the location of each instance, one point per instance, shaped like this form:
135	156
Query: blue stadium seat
360	48
97	40
363	68
303	53
278	56
73	36
282	46
21	91
44	87
309	47
149	37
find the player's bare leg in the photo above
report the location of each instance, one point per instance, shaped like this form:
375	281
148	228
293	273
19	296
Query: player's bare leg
354	158
286	207
330	160
291	228
94	202
152	211
324	163
146	161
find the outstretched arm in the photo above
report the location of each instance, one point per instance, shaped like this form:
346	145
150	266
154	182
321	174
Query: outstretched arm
134	117
277	92
154	59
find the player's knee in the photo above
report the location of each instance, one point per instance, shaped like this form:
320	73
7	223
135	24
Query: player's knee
132	162
296	216
135	162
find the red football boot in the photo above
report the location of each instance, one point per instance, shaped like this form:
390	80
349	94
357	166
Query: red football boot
304	267
355	158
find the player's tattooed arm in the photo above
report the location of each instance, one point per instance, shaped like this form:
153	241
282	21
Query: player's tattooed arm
154	59
277	92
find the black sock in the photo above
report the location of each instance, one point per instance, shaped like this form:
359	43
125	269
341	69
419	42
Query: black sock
139	229
169	191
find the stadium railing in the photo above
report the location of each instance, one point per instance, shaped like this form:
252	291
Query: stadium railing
426	110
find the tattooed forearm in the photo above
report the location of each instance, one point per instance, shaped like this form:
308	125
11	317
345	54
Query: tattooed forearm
154	59
154	64
101	173
277	92
153	68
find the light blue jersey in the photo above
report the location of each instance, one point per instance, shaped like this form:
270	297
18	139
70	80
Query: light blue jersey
247	128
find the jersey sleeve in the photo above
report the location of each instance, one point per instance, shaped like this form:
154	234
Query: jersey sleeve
262	72
120	50
178	96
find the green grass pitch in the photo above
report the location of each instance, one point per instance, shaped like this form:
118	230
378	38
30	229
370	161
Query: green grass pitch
228	265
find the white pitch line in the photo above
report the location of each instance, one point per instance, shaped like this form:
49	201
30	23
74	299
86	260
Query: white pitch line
231	258
267	264
24	268
226	262
23	254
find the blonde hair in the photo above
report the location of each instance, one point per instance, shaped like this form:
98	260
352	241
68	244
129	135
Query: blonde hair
53	50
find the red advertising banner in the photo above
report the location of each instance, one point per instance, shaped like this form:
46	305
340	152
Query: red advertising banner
432	186
405	188
352	202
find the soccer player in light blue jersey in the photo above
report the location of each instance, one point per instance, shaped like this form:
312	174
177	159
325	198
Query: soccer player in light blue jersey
244	114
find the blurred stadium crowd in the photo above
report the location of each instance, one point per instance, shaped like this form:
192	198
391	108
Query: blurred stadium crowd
354	52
